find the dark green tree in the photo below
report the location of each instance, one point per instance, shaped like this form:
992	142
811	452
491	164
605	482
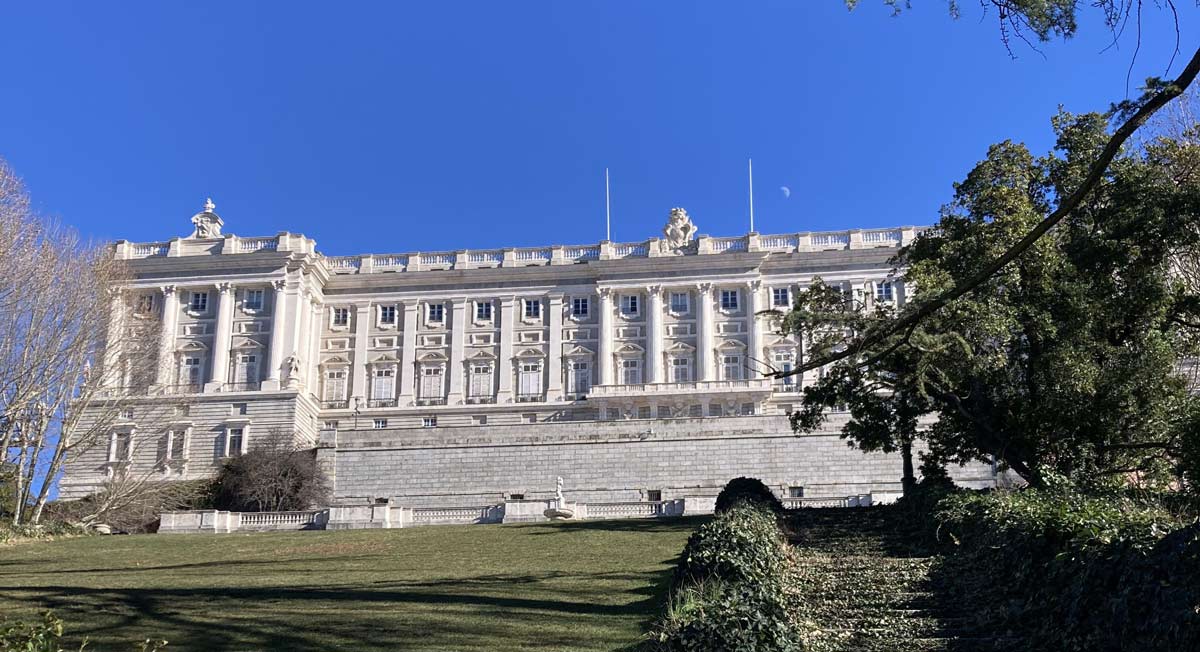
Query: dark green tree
1066	360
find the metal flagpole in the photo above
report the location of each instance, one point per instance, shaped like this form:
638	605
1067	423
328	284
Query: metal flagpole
751	164
607	210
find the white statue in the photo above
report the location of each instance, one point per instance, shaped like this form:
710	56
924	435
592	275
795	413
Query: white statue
678	232
558	494
208	224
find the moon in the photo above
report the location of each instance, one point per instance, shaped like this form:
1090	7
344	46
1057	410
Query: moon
787	192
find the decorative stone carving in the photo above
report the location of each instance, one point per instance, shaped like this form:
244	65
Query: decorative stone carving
560	509
293	365
678	233
208	224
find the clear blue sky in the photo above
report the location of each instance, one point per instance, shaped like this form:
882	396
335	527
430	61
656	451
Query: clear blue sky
394	126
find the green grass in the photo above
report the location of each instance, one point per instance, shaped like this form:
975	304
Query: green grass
562	586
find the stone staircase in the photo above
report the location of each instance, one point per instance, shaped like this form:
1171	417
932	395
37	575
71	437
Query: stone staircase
862	586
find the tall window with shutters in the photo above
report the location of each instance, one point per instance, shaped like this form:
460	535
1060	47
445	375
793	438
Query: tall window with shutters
245	371
681	370
383	384
631	372
529	387
732	367
335	385
189	373
480	385
431	382
786	361
579	377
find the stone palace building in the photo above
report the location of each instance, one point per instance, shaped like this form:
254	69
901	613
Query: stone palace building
632	370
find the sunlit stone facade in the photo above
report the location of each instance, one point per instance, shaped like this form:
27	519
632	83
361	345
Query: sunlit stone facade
466	376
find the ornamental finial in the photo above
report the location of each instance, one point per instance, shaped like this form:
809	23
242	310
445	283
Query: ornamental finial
209	206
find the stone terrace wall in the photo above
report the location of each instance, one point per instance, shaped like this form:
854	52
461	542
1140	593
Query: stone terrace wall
608	461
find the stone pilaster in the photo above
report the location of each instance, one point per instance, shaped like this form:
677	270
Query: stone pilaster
458	335
166	347
504	393
604	339
554	374
279	310
754	332
705	325
654	335
362	326
218	375
408	353
112	346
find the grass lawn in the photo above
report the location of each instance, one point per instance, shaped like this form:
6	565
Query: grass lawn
562	586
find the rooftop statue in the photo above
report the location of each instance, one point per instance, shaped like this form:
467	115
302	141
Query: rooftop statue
678	233
208	224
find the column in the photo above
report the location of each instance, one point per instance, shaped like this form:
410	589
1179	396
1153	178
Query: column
505	369
279	308
408	354
219	372
604	339
754	333
112	344
458	335
654	335
704	332
554	358
362	325
166	347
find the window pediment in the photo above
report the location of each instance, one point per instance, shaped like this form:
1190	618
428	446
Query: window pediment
729	345
432	356
578	351
530	353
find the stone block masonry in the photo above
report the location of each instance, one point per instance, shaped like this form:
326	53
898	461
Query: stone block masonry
609	461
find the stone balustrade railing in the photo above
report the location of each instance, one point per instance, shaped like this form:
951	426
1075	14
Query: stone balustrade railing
700	386
522	256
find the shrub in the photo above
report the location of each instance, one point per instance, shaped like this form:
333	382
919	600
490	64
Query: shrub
718	615
276	477
43	636
749	490
1070	571
743	544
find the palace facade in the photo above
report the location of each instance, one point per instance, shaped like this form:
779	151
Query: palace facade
633	370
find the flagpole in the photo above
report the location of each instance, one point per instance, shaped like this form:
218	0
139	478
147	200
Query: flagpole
751	169
607	209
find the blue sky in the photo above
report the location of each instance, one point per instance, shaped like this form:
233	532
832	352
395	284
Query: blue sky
410	126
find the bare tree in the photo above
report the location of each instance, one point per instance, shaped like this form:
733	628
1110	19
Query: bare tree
76	352
275	475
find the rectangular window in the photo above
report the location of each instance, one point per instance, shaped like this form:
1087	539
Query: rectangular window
239	409
483	310
732	365
795	492
431	382
530	381
383	387
330	425
428	422
579	380
235	440
481	381
252	300
199	302
127	413
883	291
379	424
579	307
435	312
145	304
341	316
335	385
631	372
629	304
122	449
681	370
190	374
479	420
785	362
781	298
387	315
679	303
654	495
533	308
729	299
245	373
177	445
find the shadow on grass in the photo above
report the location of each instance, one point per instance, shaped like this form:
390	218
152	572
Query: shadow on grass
641	525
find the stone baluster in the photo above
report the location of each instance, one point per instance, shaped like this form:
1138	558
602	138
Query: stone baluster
219	373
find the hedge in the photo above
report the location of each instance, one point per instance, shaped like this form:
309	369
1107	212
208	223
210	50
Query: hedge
1071	571
747	490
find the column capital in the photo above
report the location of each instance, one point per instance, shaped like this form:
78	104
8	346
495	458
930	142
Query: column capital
654	290
279	284
225	287
704	287
604	292
168	290
755	284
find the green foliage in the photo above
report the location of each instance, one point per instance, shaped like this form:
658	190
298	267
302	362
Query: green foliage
1069	571
729	588
718	615
43	636
742	544
48	529
747	490
1065	361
